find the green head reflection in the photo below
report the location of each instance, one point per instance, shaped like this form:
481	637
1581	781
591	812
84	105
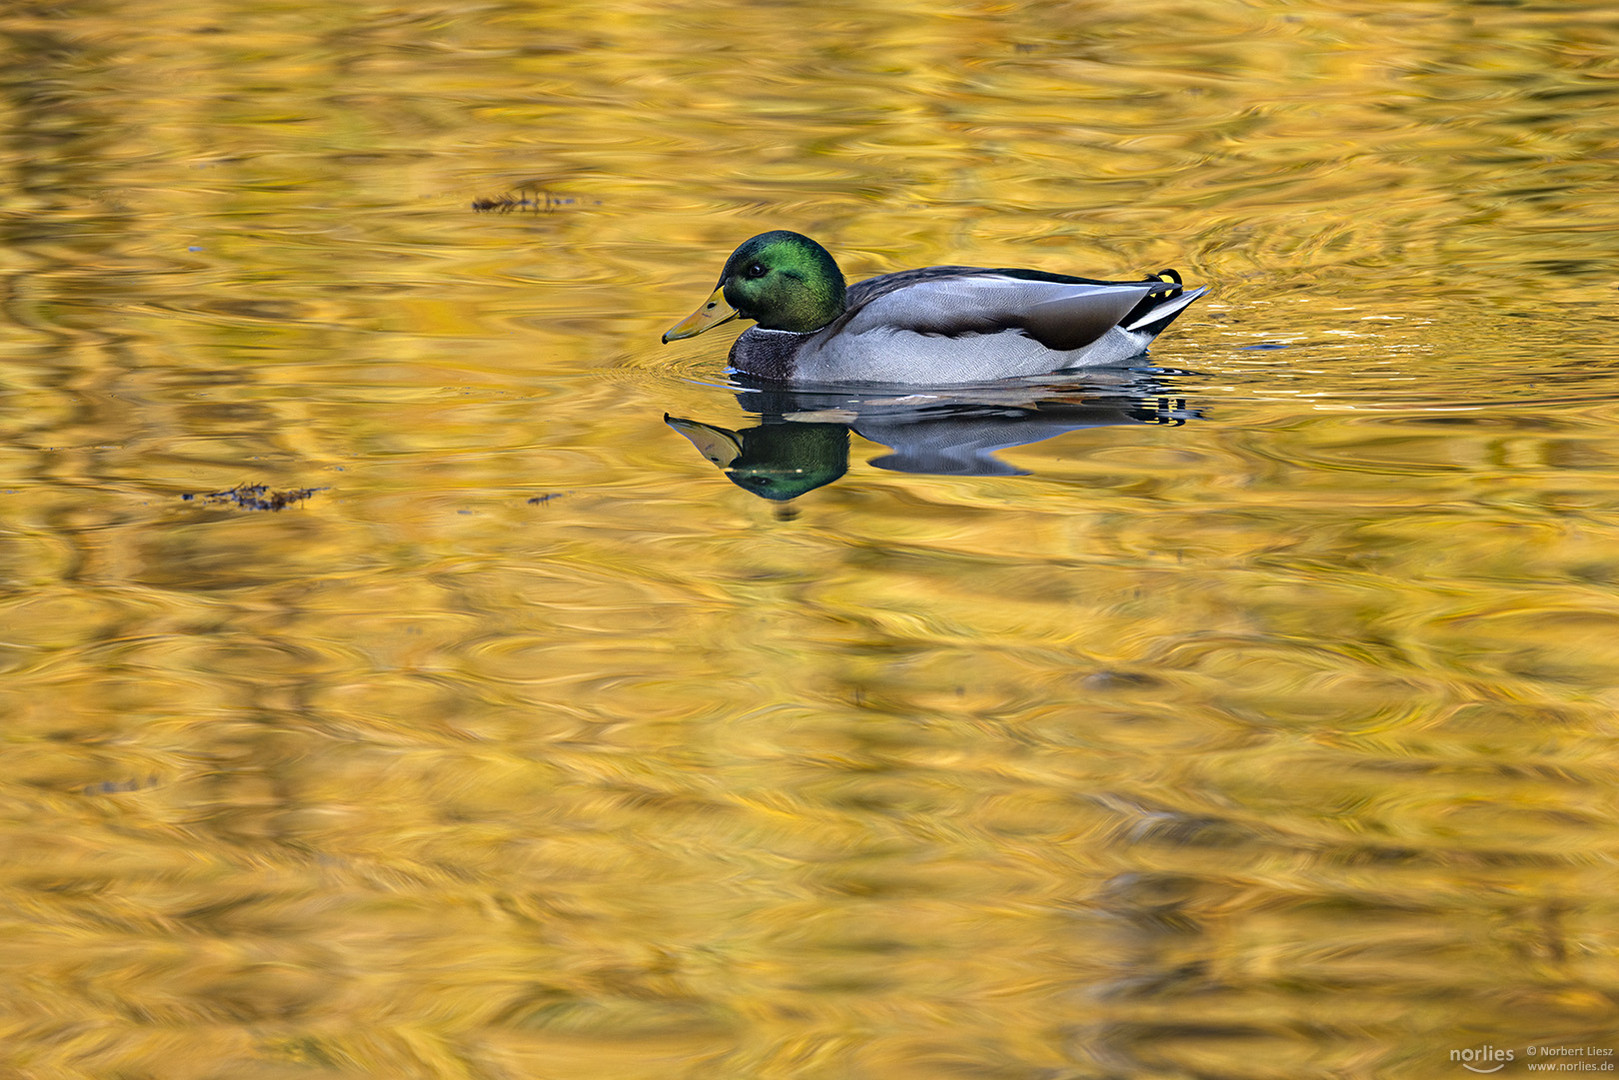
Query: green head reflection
777	461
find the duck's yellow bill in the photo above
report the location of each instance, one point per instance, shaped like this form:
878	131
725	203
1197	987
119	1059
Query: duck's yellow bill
713	312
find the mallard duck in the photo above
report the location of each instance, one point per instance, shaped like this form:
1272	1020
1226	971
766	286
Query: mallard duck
936	325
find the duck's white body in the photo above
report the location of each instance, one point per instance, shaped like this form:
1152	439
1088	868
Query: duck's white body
974	326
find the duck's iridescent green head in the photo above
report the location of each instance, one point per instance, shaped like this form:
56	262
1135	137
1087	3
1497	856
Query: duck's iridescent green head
781	280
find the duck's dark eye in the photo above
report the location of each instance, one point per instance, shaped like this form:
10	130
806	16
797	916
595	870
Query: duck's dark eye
755	270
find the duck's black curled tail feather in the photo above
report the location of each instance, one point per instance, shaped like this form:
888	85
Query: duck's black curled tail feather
1166	285
1160	306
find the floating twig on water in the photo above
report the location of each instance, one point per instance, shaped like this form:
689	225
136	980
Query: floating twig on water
521	201
254	497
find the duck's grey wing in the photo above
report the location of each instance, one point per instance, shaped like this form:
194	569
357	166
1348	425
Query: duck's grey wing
1060	313
863	292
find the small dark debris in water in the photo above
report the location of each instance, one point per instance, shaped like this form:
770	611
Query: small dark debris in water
114	787
255	497
1119	680
540	500
1263	345
533	202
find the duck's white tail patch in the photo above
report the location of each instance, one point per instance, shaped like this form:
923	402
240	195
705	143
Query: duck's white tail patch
1168	309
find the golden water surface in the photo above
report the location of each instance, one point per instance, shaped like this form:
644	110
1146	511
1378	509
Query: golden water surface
1251	716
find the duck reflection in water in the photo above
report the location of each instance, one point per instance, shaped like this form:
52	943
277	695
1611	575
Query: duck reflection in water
802	440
